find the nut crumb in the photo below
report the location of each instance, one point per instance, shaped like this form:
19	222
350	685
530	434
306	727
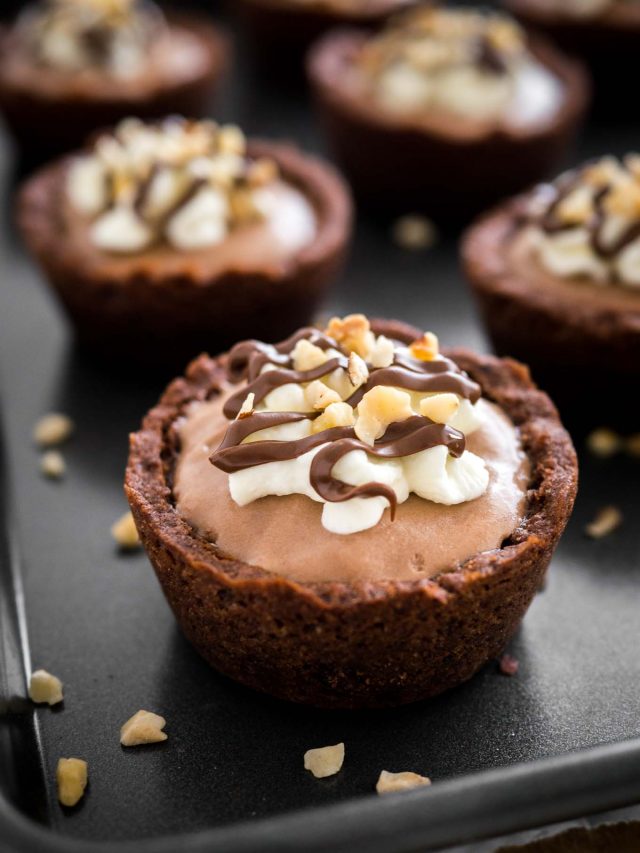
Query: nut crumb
324	761
335	415
604	442
382	352
45	687
319	396
440	408
425	348
353	333
606	521
52	429
125	533
508	665
246	410
71	776
144	727
52	464
414	233
390	782
381	406
357	369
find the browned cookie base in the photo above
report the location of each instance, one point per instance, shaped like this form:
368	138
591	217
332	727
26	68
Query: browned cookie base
606	43
337	645
397	167
44	127
576	351
160	321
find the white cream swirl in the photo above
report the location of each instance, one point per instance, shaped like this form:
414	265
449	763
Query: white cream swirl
587	223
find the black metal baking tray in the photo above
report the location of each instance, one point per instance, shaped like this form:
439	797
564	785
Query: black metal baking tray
559	740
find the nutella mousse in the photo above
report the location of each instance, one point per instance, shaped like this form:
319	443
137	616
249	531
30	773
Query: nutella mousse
71	66
354	466
187	230
408	109
557	276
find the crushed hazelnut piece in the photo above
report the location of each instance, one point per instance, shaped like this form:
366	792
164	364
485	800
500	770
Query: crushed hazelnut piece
325	761
52	429
353	332
306	355
357	370
575	208
425	348
71	776
335	415
144	727
508	665
632	444
231	140
319	396
440	407
246	410
604	442
52	464
378	408
125	533
382	352
606	521
45	687
414	233
390	782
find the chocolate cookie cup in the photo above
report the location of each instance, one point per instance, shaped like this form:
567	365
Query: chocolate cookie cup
606	39
160	305
51	111
450	168
281	31
576	318
367	642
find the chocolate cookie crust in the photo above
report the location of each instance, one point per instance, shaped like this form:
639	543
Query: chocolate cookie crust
46	125
397	163
352	645
149	318
573	341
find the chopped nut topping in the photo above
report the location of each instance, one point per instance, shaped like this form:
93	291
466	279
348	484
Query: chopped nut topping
576	208
440	407
357	370
414	233
382	352
632	444
319	396
352	332
144	727
378	408
231	140
335	415
391	782
52	429
425	348
604	442
44	687
246	410
325	761
624	199
262	172
606	521
71	776
306	355
52	464
125	533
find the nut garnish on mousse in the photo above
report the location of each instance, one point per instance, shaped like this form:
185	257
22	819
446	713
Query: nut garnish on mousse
460	63
393	441
185	185
586	224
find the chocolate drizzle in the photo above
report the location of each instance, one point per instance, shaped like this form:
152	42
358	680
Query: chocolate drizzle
245	364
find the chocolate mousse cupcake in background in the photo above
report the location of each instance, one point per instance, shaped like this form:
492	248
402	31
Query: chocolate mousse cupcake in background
167	239
445	111
68	67
604	33
556	273
351	518
282	30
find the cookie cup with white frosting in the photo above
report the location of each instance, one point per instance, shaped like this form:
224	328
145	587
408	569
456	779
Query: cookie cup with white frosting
166	239
445	111
556	276
296	580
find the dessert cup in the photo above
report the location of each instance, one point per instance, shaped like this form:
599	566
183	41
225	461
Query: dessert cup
160	305
50	110
375	615
578	333
447	166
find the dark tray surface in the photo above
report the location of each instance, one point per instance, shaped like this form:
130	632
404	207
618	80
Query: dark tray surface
99	620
